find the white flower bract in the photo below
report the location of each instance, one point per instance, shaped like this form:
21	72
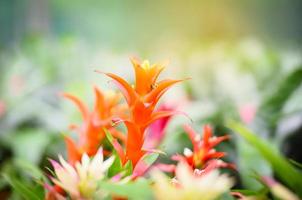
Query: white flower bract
81	181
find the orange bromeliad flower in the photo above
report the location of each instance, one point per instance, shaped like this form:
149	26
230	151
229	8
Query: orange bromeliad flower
141	99
203	156
91	132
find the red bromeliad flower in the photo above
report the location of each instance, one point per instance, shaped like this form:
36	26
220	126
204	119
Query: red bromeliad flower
142	99
203	156
91	132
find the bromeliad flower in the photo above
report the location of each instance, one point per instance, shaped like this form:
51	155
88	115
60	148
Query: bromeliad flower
91	132
142	99
203	155
189	185
80	181
145	94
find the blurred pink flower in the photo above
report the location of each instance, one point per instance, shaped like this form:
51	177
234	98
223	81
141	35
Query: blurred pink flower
279	190
157	129
16	83
247	113
2	108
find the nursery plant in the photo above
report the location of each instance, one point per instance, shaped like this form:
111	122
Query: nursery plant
116	151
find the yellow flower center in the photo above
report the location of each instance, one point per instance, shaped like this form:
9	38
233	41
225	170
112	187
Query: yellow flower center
87	187
197	158
146	65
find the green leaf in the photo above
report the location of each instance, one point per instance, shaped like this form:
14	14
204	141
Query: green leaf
249	161
226	196
295	163
116	166
270	109
149	159
134	190
25	191
283	169
30	169
3	183
109	136
128	168
29	145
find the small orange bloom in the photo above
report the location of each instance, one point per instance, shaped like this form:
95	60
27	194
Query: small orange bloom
91	132
203	155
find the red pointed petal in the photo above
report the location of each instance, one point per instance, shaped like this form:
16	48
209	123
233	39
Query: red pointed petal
215	164
213	142
214	155
192	135
207	133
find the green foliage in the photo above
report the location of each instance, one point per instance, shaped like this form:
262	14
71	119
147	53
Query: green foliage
150	158
29	144
27	192
116	166
271	108
25	179
226	196
134	190
33	111
249	161
283	169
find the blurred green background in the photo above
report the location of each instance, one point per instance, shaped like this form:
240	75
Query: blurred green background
143	25
244	58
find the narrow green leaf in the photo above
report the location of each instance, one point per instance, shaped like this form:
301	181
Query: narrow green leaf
271	107
25	191
249	161
128	168
116	166
283	169
295	163
149	159
108	135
